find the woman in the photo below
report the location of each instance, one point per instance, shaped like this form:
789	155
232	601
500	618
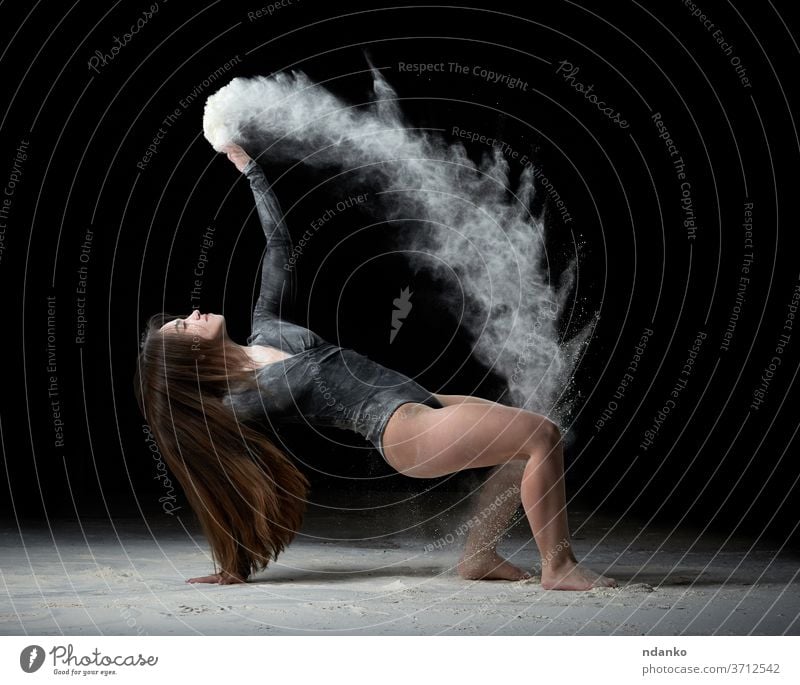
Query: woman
198	389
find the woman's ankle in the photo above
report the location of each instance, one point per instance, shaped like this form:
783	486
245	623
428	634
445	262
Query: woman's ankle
559	556
477	550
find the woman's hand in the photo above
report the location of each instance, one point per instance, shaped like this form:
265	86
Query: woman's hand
223	578
237	155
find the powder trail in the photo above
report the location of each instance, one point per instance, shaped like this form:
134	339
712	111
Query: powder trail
468	222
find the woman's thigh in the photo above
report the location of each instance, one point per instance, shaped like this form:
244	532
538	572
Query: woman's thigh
450	400
424	442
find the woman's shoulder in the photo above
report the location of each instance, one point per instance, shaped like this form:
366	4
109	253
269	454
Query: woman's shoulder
243	401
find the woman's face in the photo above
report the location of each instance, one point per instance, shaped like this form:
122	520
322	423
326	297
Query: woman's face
207	326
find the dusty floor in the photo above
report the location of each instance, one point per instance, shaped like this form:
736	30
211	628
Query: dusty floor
349	573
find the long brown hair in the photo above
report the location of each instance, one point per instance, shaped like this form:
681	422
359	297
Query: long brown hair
247	494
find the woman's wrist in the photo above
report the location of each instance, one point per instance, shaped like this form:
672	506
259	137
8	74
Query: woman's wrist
251	166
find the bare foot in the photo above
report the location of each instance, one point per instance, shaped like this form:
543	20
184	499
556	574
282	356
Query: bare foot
573	576
223	578
489	566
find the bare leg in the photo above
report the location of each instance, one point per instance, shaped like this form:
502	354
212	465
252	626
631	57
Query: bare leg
495	503
544	498
425	443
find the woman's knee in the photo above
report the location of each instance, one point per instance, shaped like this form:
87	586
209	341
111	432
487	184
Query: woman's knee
543	434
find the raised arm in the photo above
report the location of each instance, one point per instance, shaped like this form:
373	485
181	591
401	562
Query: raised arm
277	275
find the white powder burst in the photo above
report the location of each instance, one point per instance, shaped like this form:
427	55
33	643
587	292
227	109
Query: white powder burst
476	227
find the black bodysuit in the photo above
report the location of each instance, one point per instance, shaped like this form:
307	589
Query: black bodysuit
320	383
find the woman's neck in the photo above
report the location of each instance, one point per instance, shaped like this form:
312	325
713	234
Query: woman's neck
255	353
262	355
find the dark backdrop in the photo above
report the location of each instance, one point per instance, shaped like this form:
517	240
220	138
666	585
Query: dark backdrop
72	135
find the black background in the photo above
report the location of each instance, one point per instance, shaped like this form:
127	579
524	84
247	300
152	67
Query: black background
715	461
